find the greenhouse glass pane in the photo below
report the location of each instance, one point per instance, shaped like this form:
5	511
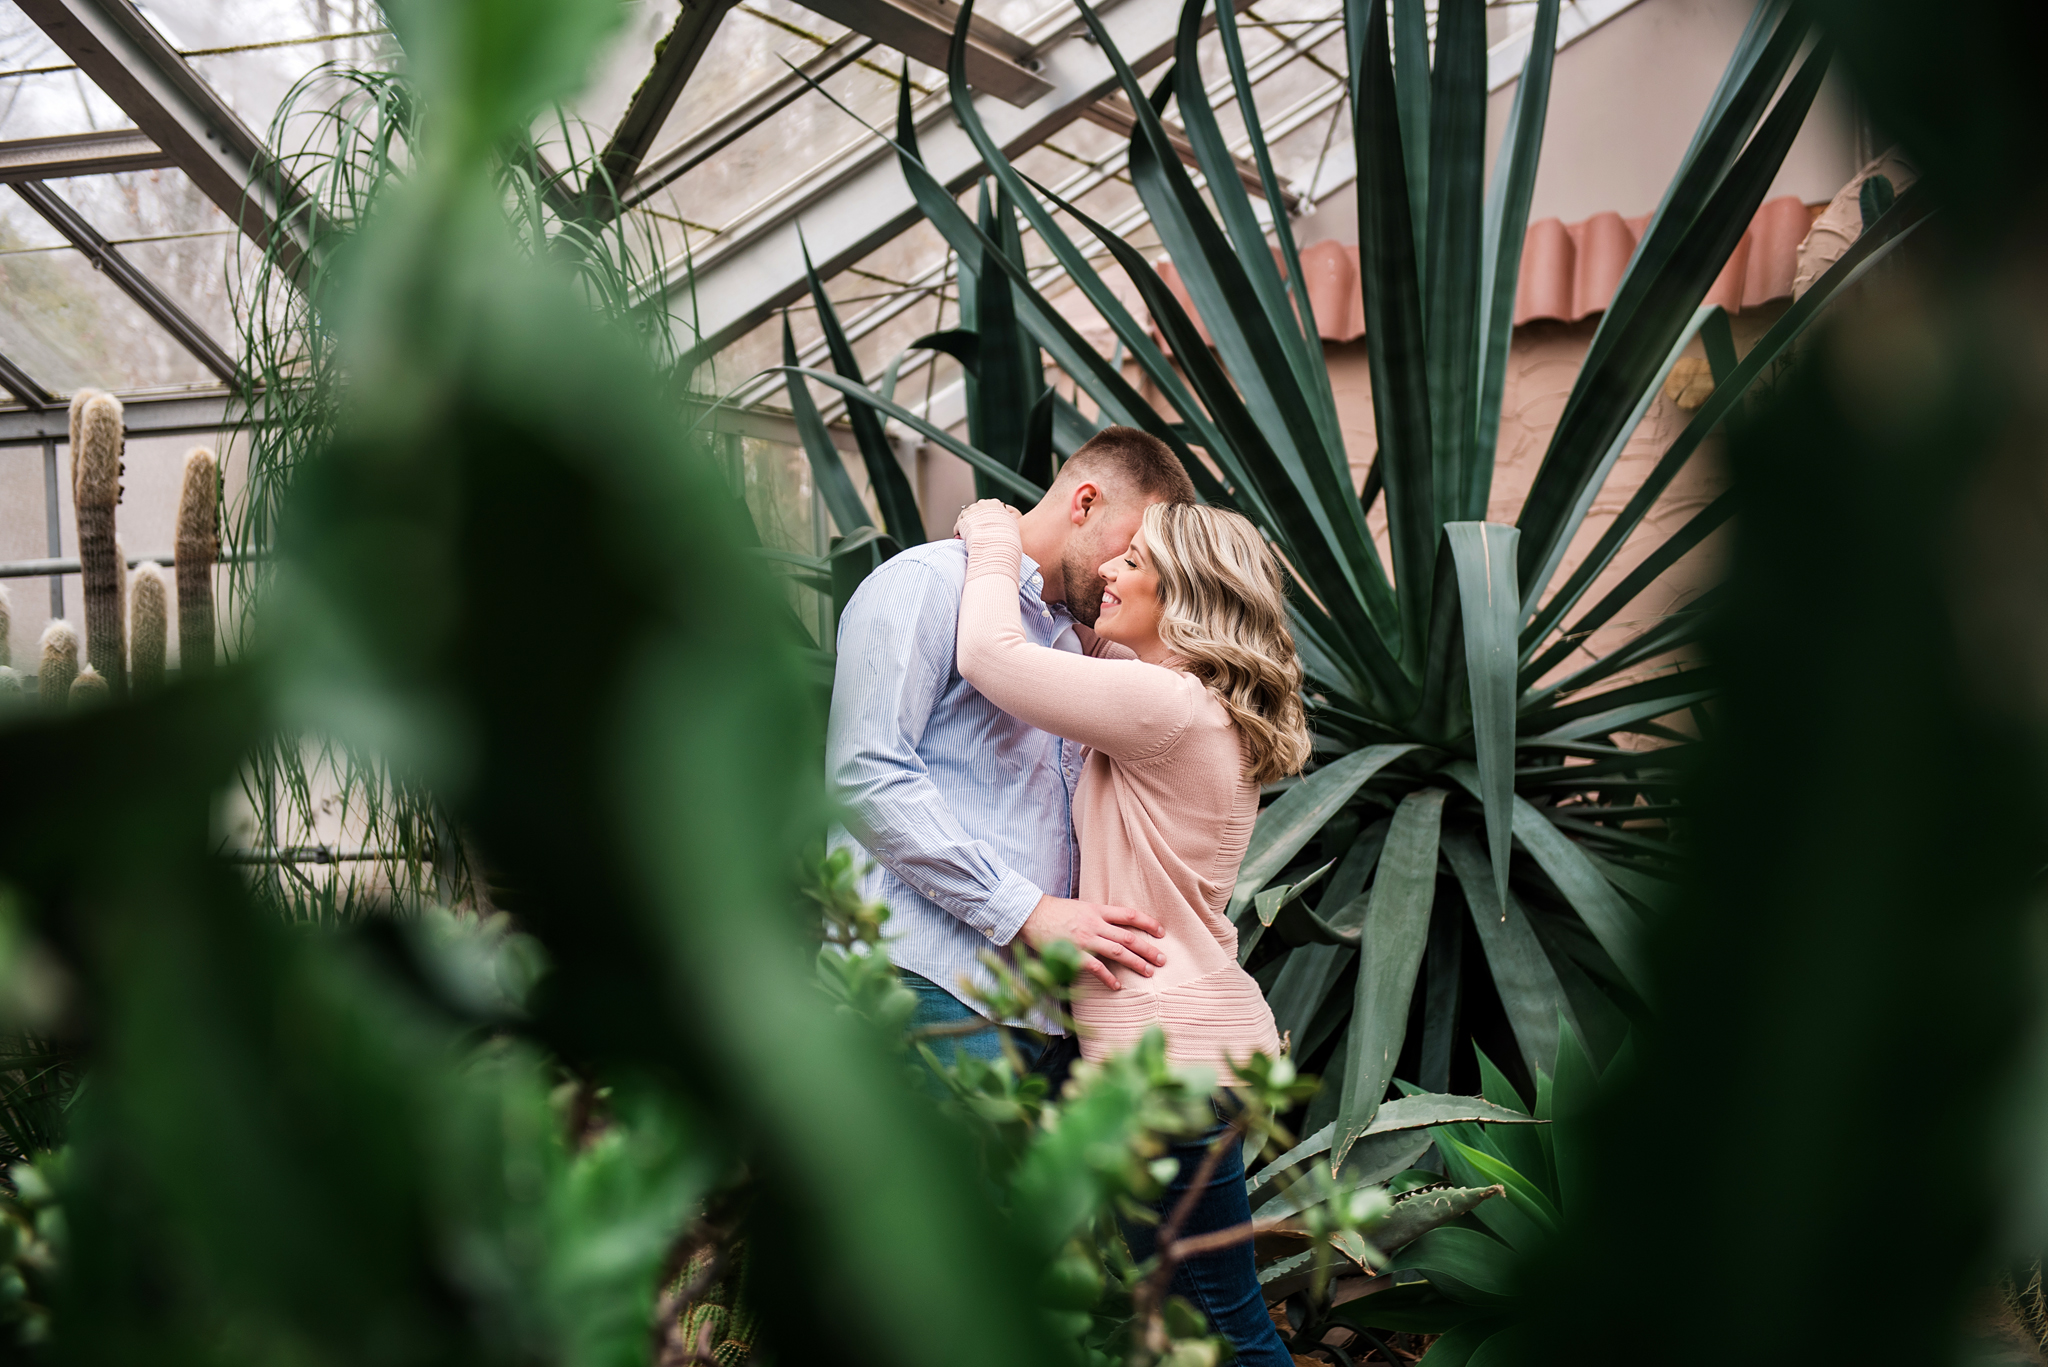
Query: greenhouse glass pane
69	327
172	233
782	153
37	101
251	52
625	64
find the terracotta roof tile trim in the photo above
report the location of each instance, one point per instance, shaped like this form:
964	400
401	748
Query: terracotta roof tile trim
1569	270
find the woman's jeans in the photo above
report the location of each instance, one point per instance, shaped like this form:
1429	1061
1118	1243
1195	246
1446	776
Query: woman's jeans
1224	1284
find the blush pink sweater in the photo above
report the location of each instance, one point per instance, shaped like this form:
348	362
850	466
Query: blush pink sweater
1162	812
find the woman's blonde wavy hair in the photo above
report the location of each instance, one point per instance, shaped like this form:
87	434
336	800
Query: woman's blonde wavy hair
1224	612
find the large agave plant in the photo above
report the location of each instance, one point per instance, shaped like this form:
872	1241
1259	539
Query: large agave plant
1467	796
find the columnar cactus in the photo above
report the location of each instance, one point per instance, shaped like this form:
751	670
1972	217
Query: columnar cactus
59	664
198	547
10	686
96	489
89	688
148	621
78	403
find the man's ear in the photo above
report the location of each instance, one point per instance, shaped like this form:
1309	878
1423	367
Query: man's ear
1086	497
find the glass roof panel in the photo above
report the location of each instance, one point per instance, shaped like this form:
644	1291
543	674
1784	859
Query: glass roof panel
625	64
41	93
783	151
172	232
68	326
252	51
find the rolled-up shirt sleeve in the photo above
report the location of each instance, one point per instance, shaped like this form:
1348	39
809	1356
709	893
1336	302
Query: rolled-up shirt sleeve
896	641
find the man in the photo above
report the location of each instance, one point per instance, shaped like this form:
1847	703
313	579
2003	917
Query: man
966	810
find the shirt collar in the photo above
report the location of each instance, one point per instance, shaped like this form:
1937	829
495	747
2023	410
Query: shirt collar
1032	584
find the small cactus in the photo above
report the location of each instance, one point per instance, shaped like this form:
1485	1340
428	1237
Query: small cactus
89	689
148	622
96	489
197	549
10	686
6	628
59	664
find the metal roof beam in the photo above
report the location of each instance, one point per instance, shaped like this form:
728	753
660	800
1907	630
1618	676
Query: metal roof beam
142	416
80	154
675	58
24	387
856	203
140	71
744	117
999	62
132	282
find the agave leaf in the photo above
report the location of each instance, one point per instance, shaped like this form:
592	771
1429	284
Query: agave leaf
861	394
1490	608
1302	346
1262	372
1872	247
1697	528
1610	919
1752	77
1092	286
1522	973
1611	385
1601	468
1390	952
1463	1263
1416	1111
1288	822
1412	96
1507	223
1396	351
1276	205
1314	556
834	486
1525	1195
893	493
962	344
1450	262
1304	985
1009	379
1418	1214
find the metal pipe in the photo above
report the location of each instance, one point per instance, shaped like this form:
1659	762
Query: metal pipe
68	564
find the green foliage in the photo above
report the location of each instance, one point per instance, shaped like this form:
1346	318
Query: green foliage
1439	683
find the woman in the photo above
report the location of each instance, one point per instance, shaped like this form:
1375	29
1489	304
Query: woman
1181	733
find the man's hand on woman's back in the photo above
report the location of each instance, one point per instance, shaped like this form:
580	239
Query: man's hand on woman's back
1118	934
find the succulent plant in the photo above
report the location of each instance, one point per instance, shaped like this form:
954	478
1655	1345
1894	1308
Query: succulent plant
197	550
89	689
10	686
96	489
148	626
59	664
6	627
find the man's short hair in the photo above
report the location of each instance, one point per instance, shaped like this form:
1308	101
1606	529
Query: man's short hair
1143	461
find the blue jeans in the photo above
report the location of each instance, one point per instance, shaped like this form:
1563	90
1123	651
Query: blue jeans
1224	1284
937	1006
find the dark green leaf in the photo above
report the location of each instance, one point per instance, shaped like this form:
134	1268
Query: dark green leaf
1286	825
1491	609
1390	952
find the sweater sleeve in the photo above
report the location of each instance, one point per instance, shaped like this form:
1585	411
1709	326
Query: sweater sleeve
1125	708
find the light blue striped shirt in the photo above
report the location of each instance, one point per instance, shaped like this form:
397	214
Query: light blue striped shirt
966	811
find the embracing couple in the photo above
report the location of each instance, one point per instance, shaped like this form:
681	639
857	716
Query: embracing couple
1054	727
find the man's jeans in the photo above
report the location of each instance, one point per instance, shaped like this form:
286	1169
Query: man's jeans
937	1006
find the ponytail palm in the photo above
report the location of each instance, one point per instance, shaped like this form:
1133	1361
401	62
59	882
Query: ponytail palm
1466	796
